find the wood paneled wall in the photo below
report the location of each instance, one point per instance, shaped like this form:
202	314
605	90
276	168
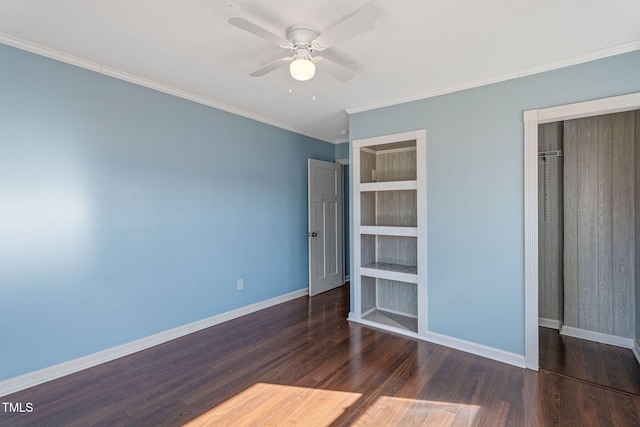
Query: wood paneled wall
550	224
599	224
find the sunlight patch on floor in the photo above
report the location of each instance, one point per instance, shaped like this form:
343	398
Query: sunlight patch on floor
395	411
277	405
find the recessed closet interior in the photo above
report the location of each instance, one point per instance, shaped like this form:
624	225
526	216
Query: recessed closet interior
588	226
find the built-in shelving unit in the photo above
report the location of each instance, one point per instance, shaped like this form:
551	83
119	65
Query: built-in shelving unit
389	234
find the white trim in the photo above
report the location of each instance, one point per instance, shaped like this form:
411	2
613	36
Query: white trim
388	151
112	72
391	150
455	343
343	162
423	231
31	379
519	73
531	120
389	231
347	278
431	94
578	110
386	139
140	81
549	323
636	350
531	244
477	349
389	185
597	337
49	53
356	260
389	275
579	59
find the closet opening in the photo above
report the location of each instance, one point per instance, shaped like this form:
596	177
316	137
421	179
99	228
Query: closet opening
531	119
588	257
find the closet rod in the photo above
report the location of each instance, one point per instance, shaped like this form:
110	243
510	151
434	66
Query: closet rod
545	154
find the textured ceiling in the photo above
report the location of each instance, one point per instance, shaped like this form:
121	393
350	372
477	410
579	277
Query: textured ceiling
417	47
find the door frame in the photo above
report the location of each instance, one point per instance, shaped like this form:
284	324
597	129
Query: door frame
345	196
532	118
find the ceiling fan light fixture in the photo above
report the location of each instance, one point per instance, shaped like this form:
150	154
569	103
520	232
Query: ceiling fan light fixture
302	68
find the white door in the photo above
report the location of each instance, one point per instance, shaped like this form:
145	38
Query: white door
325	226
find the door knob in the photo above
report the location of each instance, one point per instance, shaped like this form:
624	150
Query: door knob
314	234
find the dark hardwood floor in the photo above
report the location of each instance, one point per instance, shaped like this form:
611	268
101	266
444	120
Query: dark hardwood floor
302	363
601	364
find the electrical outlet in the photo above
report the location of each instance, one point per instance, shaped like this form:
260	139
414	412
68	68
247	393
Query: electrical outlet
240	284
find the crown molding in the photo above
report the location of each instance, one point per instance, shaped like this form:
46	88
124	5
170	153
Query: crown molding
49	53
520	72
432	94
579	59
121	75
140	81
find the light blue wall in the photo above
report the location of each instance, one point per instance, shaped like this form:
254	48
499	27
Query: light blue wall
475	190
125	212
342	150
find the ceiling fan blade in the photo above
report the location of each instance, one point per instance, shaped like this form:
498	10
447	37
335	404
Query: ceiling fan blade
337	71
258	31
350	27
270	67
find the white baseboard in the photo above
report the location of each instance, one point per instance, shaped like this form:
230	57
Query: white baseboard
347	279
597	337
549	323
22	382
636	350
455	343
477	349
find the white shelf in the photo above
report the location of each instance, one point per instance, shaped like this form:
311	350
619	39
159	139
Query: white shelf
399	274
389	231
389	186
383	319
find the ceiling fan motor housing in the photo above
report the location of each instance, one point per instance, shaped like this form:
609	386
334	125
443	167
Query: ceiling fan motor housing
301	36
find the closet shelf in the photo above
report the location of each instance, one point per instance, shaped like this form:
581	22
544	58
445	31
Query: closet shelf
389	185
390	271
394	320
389	230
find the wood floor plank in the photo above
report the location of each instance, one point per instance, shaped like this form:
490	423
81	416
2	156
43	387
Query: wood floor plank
598	363
302	364
593	408
547	405
596	371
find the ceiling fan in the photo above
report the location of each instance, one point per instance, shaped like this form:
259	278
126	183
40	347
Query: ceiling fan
302	41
